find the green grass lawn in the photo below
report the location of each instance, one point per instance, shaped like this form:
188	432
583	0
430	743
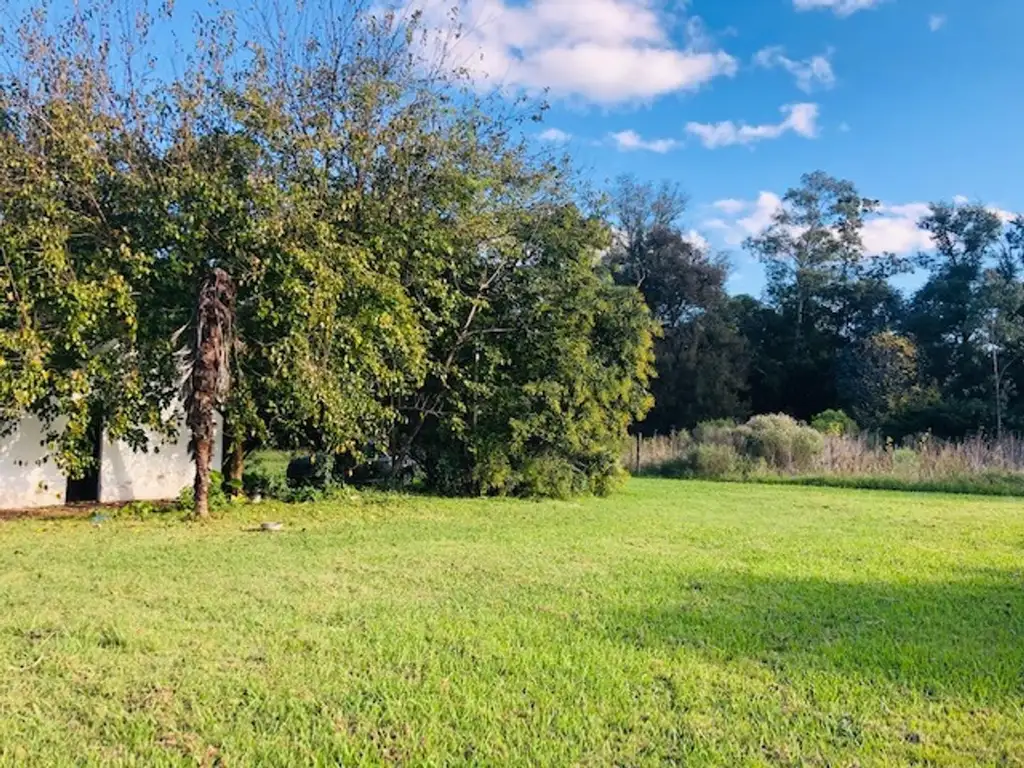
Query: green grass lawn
673	623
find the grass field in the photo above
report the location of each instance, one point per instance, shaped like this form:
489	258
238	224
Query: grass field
673	623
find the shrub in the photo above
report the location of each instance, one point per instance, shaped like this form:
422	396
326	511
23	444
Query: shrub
835	423
551	476
675	468
218	498
724	432
307	493
711	461
807	446
719	431
606	474
783	442
493	474
609	482
714	461
139	510
260	482
905	461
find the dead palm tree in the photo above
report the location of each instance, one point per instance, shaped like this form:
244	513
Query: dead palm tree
209	382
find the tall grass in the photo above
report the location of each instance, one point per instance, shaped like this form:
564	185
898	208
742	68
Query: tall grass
974	465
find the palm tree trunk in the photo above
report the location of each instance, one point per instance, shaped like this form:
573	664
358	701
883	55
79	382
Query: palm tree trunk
211	375
203	451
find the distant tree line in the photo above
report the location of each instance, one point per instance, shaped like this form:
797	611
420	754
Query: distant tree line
831	330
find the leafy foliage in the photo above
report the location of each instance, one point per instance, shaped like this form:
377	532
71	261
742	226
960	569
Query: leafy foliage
835	422
380	257
538	394
701	357
410	277
879	378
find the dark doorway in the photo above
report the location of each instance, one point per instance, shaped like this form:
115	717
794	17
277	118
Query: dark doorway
88	488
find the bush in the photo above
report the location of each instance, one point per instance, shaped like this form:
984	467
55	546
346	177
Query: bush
710	461
719	431
783	442
835	423
218	498
551	476
714	461
723	432
139	510
260	482
906	461
493	474
606	474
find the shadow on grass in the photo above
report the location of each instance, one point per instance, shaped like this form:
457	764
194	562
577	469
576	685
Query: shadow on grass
955	638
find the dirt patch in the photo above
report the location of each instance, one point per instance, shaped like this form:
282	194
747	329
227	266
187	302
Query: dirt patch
84	509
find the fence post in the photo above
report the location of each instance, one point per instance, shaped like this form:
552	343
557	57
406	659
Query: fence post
638	453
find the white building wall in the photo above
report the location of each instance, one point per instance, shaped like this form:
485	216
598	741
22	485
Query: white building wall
160	473
26	480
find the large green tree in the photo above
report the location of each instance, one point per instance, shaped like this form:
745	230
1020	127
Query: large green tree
340	233
949	315
826	289
701	358
537	387
72	150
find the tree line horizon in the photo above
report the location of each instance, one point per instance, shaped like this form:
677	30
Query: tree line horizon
349	247
831	331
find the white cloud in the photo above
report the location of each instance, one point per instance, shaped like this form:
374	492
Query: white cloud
745	218
801	119
761	214
936	22
730	206
894	229
629	141
815	72
838	7
554	135
697	240
602	51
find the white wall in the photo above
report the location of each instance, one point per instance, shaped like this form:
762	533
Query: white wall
160	473
25	479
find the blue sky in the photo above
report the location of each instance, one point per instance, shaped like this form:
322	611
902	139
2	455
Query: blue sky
914	100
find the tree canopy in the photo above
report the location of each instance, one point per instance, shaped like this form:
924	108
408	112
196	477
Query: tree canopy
405	270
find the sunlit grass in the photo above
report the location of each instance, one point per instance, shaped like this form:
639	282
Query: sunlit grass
674	623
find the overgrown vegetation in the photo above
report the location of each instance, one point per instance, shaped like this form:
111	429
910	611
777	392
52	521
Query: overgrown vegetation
359	252
778	449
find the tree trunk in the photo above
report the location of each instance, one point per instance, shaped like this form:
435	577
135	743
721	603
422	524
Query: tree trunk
235	469
210	380
203	451
997	378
